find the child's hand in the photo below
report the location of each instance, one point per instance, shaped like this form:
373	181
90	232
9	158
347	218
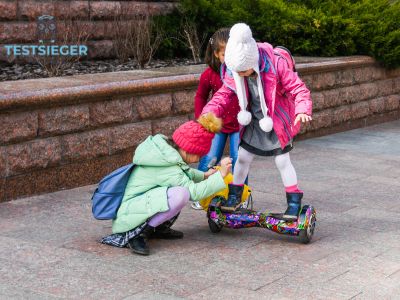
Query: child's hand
209	173
226	166
303	118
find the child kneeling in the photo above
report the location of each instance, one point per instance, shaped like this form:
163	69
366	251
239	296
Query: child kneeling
162	183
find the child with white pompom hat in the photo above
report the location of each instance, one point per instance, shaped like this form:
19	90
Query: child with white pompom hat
273	101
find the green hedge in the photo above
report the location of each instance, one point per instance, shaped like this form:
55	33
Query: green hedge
306	27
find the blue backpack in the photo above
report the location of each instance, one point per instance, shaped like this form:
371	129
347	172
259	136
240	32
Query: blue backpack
107	197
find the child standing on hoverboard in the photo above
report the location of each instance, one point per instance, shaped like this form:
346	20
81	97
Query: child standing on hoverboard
210	82
256	74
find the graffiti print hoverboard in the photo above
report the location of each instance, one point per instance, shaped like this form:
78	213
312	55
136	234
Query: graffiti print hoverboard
303	227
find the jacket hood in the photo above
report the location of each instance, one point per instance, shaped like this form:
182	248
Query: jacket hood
156	152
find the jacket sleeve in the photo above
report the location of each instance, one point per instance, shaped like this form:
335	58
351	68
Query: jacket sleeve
202	94
196	175
293	85
198	191
219	103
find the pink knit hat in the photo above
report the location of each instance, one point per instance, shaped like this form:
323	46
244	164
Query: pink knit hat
195	137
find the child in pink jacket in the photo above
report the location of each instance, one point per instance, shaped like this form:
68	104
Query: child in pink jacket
273	102
210	83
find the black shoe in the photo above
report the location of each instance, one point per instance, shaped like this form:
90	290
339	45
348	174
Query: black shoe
294	206
234	197
139	243
166	233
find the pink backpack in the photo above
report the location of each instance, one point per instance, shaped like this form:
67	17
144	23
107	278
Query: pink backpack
284	53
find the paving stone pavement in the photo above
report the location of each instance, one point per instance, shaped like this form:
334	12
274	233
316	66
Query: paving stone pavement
49	244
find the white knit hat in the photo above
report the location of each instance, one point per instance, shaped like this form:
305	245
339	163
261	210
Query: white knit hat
241	54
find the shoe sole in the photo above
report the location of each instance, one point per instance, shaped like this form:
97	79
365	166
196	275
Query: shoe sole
230	208
196	207
140	252
289	218
167	238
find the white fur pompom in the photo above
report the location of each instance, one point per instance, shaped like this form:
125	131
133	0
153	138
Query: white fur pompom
241	33
244	117
266	124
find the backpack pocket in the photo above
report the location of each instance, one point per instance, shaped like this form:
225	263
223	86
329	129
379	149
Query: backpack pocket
105	205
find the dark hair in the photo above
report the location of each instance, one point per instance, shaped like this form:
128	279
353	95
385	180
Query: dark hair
215	43
171	142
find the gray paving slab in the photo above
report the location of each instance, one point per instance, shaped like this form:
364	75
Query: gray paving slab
152	295
49	244
17	292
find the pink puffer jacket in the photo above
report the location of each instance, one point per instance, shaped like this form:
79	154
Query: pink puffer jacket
276	78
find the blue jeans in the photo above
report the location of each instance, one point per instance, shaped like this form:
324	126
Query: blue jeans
217	149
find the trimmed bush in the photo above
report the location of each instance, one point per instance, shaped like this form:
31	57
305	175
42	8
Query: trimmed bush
306	27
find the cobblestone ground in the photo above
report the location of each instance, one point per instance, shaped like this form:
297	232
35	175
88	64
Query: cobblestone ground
49	248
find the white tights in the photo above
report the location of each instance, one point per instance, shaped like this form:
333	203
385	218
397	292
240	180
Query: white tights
283	163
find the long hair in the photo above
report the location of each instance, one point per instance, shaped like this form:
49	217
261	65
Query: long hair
215	43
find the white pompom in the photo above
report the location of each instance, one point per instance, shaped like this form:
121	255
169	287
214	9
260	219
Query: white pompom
266	124
244	117
241	33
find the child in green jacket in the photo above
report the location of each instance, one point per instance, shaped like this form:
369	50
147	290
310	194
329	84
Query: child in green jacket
162	183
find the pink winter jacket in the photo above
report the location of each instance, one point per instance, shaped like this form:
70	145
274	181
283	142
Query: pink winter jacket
210	81
285	94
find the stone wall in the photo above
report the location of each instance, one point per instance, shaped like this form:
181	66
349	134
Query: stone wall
351	97
60	133
18	20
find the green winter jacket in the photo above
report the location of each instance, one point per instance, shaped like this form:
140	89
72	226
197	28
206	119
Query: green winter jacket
159	166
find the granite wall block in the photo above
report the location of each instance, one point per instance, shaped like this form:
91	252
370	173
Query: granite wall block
18	126
60	120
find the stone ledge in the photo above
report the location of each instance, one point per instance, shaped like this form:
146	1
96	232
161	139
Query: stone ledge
64	132
91	171
61	177
334	64
104	114
69	90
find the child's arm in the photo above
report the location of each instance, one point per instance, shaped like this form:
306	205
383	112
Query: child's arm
197	175
220	102
198	191
293	85
203	91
